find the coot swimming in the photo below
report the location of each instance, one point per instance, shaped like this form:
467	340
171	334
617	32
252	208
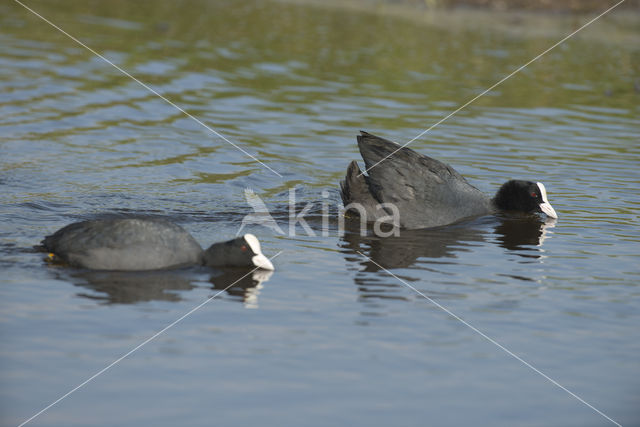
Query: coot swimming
425	192
145	244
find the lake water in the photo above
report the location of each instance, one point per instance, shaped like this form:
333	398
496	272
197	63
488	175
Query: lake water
335	336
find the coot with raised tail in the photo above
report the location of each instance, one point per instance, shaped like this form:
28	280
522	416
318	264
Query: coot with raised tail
420	192
145	244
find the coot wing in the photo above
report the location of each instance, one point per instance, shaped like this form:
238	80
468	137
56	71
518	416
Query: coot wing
357	196
427	192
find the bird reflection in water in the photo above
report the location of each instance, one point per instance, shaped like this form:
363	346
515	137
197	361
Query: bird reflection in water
513	232
130	287
524	232
246	287
520	234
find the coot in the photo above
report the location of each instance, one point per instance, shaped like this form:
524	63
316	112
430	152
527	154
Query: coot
145	244
421	192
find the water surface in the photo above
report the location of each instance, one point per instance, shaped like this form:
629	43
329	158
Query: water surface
332	337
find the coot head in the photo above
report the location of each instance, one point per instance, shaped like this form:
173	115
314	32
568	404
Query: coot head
524	196
243	251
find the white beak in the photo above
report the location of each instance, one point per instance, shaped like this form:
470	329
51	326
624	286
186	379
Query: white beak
262	261
545	205
548	210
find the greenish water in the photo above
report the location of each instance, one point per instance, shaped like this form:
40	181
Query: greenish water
330	337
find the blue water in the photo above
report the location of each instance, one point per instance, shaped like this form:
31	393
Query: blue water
346	330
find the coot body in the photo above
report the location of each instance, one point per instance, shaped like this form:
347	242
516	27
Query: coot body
417	191
145	244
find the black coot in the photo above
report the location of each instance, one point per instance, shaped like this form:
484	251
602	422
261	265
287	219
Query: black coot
419	192
145	244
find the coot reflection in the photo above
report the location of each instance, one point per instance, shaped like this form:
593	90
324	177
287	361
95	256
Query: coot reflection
520	234
130	287
513	232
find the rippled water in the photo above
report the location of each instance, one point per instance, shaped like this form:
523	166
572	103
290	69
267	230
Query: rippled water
332	336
